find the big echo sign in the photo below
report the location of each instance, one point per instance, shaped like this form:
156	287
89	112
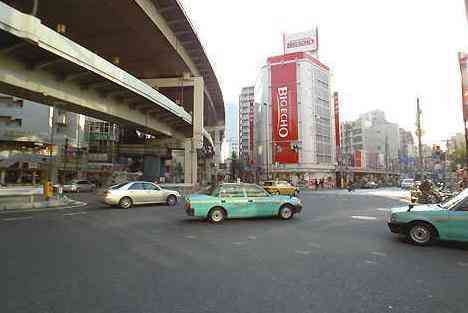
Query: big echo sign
284	112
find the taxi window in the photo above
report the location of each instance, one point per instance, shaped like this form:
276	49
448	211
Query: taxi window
254	191
268	183
234	191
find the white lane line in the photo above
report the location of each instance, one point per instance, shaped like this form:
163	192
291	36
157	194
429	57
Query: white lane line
384	209
191	237
252	237
314	245
464	264
75	213
379	253
10	219
238	243
370	262
364	217
303	252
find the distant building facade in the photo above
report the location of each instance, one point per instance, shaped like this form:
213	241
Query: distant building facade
27	139
246	128
371	142
232	129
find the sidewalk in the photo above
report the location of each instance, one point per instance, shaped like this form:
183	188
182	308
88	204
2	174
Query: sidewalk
391	192
22	199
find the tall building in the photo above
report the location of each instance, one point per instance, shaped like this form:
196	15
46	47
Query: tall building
246	129
232	128
408	152
27	139
371	142
456	142
294	119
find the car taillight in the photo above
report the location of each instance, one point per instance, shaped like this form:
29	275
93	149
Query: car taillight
107	193
188	205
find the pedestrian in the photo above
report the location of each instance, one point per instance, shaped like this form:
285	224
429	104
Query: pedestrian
350	186
322	182
317	183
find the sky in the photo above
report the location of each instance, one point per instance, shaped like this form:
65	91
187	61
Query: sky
383	54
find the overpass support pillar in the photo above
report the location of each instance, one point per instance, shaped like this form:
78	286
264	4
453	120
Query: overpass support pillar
194	144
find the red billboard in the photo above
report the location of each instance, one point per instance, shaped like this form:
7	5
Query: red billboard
284	112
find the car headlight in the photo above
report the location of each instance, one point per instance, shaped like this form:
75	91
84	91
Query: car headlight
392	217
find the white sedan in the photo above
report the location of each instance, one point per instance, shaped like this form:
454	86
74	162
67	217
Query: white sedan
127	194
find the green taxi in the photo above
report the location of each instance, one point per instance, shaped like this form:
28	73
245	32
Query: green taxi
422	224
239	201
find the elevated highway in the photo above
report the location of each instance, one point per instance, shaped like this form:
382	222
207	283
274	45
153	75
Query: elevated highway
137	63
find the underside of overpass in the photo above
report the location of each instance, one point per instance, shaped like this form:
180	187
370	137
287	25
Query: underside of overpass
141	40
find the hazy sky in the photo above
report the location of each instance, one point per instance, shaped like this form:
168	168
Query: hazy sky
382	53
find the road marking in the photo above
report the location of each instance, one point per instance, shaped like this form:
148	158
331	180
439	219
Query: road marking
238	243
303	252
74	213
10	219
364	217
464	264
252	237
384	209
379	253
314	245
191	237
370	262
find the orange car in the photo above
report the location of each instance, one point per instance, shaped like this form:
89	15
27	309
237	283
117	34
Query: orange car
280	187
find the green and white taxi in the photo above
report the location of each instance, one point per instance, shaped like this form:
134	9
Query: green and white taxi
423	224
240	201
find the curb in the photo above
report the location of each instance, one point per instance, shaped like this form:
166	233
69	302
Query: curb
72	205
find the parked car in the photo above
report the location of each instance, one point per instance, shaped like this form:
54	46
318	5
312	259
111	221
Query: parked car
241	200
370	185
280	187
422	224
128	194
77	185
407	183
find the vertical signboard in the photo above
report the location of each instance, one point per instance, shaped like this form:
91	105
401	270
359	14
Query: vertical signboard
463	60
284	112
337	124
251	131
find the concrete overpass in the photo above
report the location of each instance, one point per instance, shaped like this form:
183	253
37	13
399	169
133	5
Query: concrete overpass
138	63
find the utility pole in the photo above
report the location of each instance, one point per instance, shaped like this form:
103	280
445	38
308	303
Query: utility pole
466	144
419	134
51	145
386	153
267	146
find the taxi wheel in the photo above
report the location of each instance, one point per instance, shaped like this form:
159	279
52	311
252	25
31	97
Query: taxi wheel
125	203
216	215
421	234
286	212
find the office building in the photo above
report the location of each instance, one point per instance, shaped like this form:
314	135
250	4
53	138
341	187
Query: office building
246	124
27	140
294	119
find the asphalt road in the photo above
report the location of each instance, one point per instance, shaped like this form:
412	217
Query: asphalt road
337	256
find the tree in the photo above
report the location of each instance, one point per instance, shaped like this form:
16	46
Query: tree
457	157
234	164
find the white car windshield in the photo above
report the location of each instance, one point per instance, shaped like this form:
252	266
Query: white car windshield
453	201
